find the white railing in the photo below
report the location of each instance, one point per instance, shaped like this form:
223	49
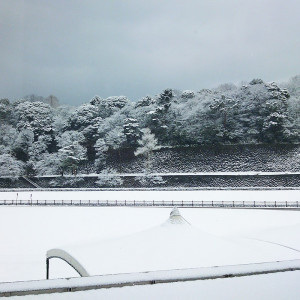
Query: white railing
157	203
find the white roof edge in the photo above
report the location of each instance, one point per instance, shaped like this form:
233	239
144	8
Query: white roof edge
144	278
73	262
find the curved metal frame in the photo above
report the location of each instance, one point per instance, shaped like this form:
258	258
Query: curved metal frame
69	259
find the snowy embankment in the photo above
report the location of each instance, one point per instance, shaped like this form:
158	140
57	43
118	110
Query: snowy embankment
170	180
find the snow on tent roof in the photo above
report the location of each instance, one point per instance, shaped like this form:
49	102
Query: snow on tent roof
175	244
176	218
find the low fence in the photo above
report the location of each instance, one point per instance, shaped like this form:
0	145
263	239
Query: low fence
156	203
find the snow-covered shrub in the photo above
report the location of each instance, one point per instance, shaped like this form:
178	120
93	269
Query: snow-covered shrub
150	180
109	178
66	182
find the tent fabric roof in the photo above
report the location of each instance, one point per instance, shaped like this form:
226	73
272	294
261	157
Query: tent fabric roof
176	218
175	244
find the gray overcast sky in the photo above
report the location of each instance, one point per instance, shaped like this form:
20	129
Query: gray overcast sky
76	49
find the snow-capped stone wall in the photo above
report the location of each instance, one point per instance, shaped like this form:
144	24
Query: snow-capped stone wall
218	158
250	166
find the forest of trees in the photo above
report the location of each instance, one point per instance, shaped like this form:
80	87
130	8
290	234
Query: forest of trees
40	137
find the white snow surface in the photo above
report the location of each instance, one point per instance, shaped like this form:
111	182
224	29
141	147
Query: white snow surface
278	286
27	233
205	195
175	244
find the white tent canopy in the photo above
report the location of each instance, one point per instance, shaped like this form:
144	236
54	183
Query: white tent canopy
175	244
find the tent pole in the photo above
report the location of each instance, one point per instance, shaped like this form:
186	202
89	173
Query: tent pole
47	268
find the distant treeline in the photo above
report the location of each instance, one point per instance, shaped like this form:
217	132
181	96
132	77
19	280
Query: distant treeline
40	137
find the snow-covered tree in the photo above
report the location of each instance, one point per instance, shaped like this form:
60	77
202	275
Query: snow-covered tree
117	101
60	118
115	138
37	148
165	98
84	137
109	106
96	100
86	119
8	135
101	153
90	137
187	94
5	111
72	156
49	164
34	116
22	144
52	101
69	137
145	101
82	117
109	178
10	166
148	143
131	131
223	111
293	86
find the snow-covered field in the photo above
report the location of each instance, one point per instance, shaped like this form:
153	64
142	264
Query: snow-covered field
26	234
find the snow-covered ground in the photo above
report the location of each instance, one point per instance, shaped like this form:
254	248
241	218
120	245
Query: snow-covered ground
27	233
